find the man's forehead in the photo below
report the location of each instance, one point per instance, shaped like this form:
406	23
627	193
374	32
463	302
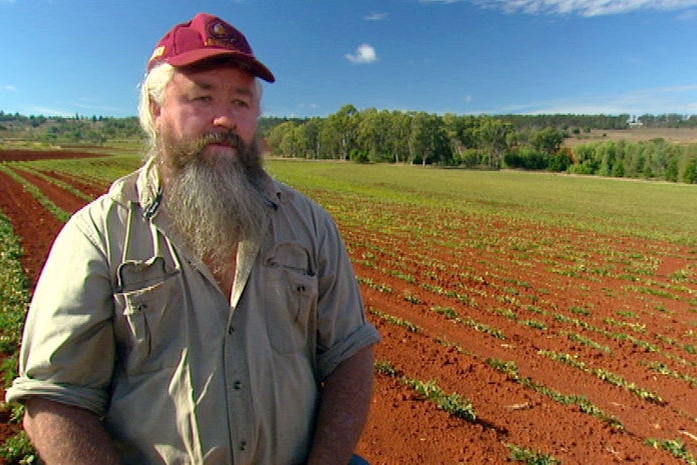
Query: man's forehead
214	78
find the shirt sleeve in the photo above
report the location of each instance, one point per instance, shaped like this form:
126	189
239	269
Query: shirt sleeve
342	326
68	347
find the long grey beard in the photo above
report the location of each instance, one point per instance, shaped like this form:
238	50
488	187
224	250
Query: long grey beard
214	203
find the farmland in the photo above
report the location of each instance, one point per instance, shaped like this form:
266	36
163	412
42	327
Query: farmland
526	317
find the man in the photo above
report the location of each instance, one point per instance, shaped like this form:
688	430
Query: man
199	312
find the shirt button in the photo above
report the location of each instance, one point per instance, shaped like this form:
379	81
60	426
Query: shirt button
230	330
243	445
237	385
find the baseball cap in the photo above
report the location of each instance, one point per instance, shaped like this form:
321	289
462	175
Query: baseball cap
204	37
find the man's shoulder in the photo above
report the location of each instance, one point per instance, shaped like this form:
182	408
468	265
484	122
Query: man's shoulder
297	207
113	203
124	190
290	195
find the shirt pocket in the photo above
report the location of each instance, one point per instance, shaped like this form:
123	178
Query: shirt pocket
152	309
290	297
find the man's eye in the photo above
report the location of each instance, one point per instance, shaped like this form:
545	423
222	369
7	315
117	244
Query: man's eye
203	98
241	103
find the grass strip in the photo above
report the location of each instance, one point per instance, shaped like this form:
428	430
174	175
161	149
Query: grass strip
14	296
55	210
62	184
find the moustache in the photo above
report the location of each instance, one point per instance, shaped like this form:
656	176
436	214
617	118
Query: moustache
185	153
228	138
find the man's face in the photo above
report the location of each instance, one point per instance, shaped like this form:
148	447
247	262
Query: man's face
200	102
208	156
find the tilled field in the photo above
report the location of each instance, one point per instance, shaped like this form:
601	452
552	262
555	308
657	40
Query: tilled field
566	344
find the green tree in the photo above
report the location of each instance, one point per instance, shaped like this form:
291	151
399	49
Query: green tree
606	155
310	138
547	140
373	135
277	141
493	137
428	140
690	172
461	134
339	132
398	140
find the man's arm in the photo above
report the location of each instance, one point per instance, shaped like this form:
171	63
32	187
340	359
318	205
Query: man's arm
344	406
63	434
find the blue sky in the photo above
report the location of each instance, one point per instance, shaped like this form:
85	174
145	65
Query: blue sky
62	57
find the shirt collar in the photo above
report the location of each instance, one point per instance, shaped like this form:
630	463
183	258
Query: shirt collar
149	189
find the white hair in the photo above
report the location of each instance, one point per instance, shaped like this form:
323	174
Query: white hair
152	90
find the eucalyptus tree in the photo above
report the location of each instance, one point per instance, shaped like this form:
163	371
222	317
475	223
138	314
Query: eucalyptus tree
310	133
279	139
428	141
493	138
548	140
400	129
461	132
373	134
339	132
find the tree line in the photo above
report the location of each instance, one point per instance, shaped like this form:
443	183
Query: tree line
532	142
75	130
654	159
410	137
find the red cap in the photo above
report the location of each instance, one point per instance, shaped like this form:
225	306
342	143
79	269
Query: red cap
207	36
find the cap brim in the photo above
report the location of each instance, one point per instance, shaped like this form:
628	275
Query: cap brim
250	63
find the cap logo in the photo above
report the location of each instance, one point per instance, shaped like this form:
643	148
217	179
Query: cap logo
219	31
220	35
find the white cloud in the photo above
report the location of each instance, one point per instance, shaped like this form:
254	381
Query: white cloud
586	8
365	54
376	17
10	88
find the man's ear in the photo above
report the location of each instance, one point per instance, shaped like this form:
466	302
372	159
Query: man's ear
155	109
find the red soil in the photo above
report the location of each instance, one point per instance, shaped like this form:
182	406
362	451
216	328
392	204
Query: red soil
29	155
508	288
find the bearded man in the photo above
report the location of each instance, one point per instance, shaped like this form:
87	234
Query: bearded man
200	312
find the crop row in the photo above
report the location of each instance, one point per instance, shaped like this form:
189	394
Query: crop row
459	406
505	296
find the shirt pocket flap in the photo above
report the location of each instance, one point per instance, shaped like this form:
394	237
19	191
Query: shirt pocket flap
133	275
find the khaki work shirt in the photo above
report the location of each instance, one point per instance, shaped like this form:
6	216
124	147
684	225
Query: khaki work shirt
128	324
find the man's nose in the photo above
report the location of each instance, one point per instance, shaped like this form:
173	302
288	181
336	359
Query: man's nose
225	117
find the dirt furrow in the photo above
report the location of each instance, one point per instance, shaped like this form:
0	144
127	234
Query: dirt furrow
608	304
